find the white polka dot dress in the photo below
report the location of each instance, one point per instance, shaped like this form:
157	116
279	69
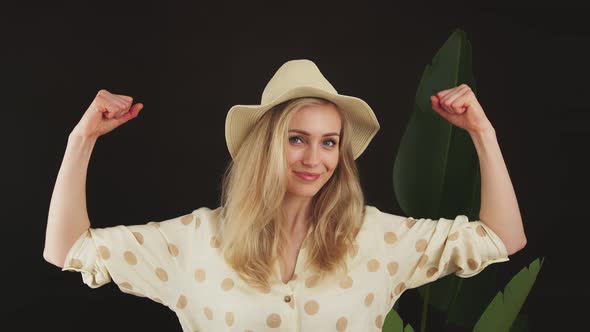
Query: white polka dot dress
177	263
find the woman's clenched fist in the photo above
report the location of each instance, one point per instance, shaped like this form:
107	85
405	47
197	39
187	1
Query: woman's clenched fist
106	112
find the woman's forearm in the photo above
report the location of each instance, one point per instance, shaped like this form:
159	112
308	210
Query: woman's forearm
499	208
68	216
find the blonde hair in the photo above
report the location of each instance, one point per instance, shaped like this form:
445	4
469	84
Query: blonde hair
252	228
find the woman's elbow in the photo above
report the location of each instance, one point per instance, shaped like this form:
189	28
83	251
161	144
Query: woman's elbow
515	246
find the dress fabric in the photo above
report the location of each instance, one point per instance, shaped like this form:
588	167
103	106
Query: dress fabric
178	263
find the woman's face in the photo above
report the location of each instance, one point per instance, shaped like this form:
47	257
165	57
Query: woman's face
313	148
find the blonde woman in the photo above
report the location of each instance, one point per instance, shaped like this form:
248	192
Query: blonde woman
292	245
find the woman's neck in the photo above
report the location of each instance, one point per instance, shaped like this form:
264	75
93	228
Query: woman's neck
298	211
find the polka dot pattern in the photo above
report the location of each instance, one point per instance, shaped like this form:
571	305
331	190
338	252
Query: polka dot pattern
173	249
373	265
379	321
311	307
312	281
410	222
265	290
215	243
431	271
182	301
227	284
208	313
399	288
341	324
76	263
453	236
161	274
392	268
139	237
390	237
421	245
472	263
229	318
200	275
130	258
273	320
423	260
187	219
389	255
346	282
126	285
104	252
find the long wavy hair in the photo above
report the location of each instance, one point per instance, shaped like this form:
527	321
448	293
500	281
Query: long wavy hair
252	227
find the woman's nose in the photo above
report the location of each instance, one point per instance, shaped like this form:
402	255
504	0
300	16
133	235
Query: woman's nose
311	156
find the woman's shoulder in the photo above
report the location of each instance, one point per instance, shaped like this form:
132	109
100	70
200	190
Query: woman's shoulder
379	220
207	212
373	213
203	218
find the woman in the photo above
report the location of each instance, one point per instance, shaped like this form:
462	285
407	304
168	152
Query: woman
292	246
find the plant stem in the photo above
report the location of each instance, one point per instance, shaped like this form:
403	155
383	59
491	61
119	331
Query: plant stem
425	308
454	299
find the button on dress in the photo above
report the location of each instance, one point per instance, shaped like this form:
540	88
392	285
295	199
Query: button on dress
178	263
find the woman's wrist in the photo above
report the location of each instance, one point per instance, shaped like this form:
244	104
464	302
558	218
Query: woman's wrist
483	133
79	140
77	135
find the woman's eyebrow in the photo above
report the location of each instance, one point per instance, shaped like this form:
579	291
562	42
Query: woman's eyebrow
306	133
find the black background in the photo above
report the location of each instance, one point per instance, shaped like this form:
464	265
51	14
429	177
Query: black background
189	64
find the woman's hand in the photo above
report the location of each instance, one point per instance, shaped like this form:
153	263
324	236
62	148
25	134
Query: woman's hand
460	107
106	112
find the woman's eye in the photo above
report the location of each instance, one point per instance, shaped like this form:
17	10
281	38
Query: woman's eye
334	143
329	142
294	138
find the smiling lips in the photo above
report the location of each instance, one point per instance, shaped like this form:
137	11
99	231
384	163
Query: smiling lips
307	176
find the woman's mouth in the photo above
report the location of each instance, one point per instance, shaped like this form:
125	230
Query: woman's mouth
307	176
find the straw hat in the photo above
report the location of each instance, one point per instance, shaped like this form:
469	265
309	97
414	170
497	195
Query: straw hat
294	79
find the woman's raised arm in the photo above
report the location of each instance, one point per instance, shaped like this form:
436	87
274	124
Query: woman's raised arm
68	217
499	207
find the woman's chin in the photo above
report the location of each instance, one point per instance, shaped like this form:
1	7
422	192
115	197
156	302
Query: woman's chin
303	192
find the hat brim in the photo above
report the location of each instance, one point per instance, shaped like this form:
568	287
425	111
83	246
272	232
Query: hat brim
241	118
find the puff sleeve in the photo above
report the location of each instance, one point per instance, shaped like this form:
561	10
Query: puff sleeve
424	250
143	260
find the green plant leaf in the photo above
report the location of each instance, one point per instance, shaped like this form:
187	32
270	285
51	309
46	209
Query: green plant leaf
436	174
442	291
474	296
436	171
521	324
504	308
394	323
